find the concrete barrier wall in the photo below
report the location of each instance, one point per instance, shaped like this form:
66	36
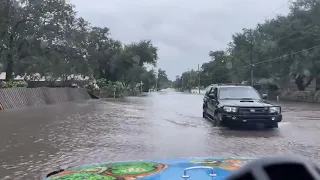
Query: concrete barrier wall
12	98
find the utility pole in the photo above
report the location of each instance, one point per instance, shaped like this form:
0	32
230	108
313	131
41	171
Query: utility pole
157	75
156	83
182	82
251	60
251	69
189	80
199	77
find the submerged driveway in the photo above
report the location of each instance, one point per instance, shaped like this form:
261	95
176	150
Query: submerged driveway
35	141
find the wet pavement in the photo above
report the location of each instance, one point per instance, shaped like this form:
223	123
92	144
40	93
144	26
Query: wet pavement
35	141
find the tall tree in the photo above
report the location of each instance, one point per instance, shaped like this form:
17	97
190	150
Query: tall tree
282	48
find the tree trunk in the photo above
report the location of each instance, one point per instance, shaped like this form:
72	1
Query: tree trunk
10	64
299	83
308	82
318	83
9	68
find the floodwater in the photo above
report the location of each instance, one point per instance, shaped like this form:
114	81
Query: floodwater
35	141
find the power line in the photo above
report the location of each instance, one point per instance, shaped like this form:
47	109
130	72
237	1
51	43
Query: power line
298	52
286	3
277	58
252	64
294	21
269	60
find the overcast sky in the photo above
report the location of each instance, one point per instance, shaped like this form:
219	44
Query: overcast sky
183	30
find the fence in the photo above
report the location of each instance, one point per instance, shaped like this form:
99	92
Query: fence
12	98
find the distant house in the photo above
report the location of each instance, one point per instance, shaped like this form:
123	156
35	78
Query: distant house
37	81
3	77
37	77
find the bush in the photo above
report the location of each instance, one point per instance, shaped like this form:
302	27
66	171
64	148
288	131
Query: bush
116	87
111	88
102	83
91	87
14	84
302	96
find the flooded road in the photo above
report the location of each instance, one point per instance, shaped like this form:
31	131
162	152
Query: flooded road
35	141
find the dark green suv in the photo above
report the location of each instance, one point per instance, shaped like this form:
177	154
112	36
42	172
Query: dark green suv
239	104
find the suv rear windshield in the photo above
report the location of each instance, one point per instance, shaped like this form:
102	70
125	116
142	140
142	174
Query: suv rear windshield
238	93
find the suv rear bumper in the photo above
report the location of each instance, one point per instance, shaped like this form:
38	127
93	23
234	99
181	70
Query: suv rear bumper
251	118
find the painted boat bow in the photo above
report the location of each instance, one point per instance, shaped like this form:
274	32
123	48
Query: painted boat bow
165	169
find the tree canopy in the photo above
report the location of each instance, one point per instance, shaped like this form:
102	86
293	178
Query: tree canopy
283	48
48	38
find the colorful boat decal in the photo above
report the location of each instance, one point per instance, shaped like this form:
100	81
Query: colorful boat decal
151	170
228	164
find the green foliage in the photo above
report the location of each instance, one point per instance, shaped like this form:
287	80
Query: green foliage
14	84
113	88
187	81
48	37
163	81
272	46
133	168
117	87
83	175
91	88
102	83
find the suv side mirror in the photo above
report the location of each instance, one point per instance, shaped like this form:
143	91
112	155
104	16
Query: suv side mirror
212	96
264	96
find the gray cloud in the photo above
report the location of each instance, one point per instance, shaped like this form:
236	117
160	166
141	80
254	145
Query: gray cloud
184	30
